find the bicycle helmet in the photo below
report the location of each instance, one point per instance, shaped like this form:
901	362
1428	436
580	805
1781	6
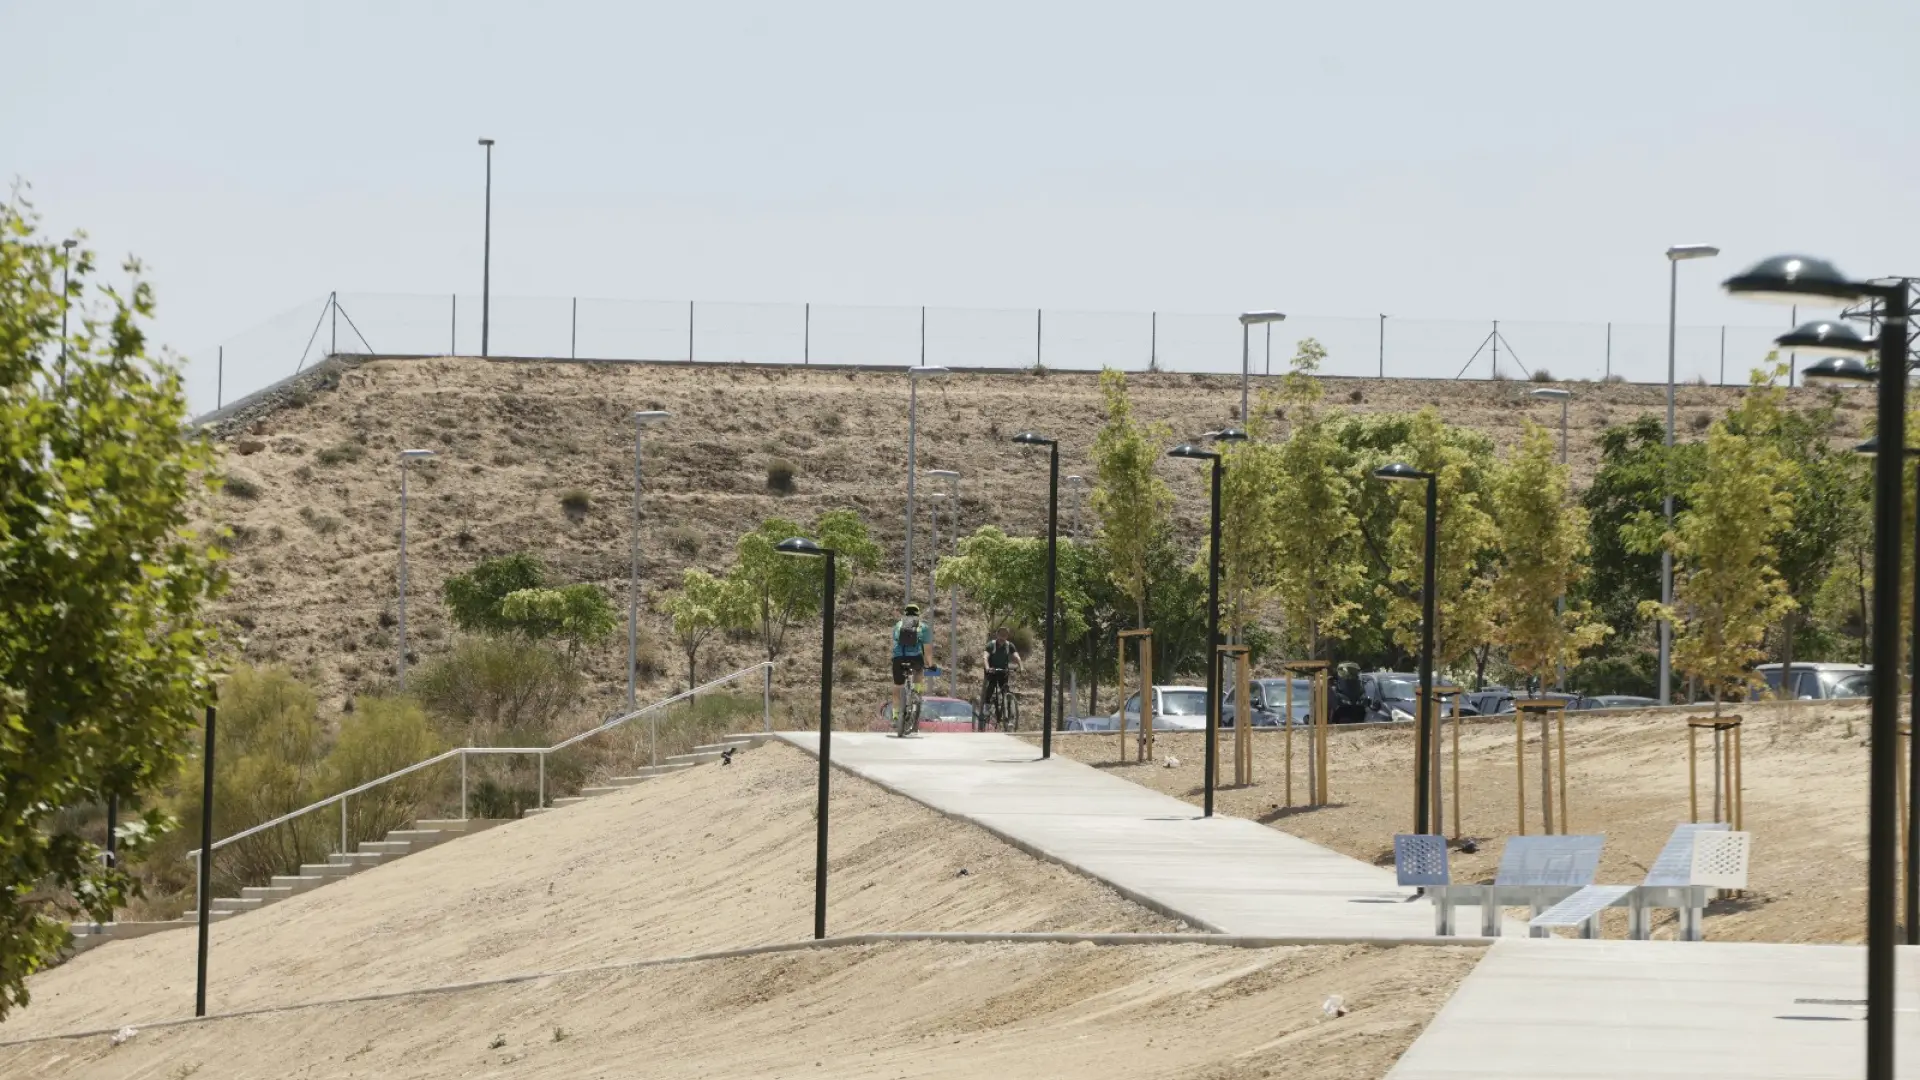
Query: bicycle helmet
913	609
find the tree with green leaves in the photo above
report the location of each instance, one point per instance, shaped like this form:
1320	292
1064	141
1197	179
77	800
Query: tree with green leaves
1317	560
1005	579
705	604
1728	592
577	614
1130	501
1538	570
775	591
1252	522
475	599
106	653
1466	543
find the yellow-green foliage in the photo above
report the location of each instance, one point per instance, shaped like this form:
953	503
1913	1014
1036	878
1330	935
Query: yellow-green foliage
1541	561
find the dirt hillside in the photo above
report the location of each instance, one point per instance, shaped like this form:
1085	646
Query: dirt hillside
317	525
712	858
1805	781
979	1012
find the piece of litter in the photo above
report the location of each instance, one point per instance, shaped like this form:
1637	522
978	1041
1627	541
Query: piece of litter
962	873
1335	1006
124	1034
1170	762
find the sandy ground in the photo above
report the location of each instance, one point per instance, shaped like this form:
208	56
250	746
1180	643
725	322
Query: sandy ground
314	574
1805	790
712	858
910	1010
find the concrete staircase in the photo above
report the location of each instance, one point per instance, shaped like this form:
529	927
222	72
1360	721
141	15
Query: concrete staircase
397	844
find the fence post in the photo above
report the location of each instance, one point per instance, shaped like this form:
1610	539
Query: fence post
463	783
573	353
1609	351
923	335
1153	342
219	378
806	335
766	698
653	739
543	779
343	824
453	326
689	335
1039	320
333	333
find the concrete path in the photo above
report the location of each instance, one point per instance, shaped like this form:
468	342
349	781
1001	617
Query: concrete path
1656	1009
1226	875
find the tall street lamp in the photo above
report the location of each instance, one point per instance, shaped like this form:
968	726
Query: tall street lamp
1675	255
641	422
65	264
486	252
1028	438
1079	485
1794	279
802	547
1423	750
407	457
1251	318
914	375
1195	453
952	499
1871	448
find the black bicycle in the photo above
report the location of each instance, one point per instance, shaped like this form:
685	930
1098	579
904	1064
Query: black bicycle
1000	710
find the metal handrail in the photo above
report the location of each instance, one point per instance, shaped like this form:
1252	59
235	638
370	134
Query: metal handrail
764	666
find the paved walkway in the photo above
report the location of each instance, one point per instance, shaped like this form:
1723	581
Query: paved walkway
1222	874
1589	1009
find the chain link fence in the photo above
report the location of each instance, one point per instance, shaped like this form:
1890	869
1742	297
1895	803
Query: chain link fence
831	334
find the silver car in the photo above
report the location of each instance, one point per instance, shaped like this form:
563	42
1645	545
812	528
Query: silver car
1175	708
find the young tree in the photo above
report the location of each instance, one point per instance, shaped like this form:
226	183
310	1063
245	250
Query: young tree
474	599
1538	570
1130	502
576	614
1466	543
1317	563
703	605
1251	524
106	655
775	591
1005	577
1727	586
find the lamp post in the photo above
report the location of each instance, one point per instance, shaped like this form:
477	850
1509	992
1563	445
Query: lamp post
802	547
1423	750
1911	898
1028	438
204	872
407	457
952	499
641	422
486	253
1251	318
1675	255
1079	485
1794	279
1564	397
914	375
65	264
1195	453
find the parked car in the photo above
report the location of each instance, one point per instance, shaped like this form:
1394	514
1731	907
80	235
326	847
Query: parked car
1817	682
1615	701
1270	702
1175	708
1498	700
1390	696
936	714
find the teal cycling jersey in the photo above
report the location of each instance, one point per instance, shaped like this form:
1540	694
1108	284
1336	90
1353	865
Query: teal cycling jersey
911	640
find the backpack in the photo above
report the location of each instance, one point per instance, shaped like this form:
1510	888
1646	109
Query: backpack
906	635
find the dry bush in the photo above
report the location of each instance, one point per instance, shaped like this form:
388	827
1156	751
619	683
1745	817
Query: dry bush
1542	375
780	476
340	453
684	541
320	521
241	486
576	502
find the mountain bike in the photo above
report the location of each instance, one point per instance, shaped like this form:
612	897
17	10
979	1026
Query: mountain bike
907	721
1001	709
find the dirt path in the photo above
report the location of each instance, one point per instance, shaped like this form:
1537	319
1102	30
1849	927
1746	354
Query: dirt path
712	858
1805	781
1070	1012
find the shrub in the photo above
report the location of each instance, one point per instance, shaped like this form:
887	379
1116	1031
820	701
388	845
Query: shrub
576	502
489	689
1700	421
381	735
780	476
829	424
684	541
1356	396
320	521
473	599
1614	378
1501	376
342	453
241	486
1541	375
579	614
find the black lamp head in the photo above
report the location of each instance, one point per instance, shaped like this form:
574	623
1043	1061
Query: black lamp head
1400	471
799	545
1838	371
1232	434
1188	450
1826	338
1793	279
1029	438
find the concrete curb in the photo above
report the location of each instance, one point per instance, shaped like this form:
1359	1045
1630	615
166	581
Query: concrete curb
846	941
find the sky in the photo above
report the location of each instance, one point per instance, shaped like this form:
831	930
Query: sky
1465	161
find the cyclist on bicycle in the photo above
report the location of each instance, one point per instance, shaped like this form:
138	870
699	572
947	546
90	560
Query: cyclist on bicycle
1000	656
910	640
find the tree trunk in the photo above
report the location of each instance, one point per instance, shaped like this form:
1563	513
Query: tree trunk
691	681
1786	665
1860	580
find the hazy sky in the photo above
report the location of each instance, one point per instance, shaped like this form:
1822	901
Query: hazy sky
1466	160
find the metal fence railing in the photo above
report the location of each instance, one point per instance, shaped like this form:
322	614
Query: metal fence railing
541	753
805	334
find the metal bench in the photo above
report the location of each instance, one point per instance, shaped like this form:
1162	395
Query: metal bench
1535	871
1697	859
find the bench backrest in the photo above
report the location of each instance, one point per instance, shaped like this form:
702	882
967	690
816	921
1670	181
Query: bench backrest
1549	860
1720	859
1420	861
1674	866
